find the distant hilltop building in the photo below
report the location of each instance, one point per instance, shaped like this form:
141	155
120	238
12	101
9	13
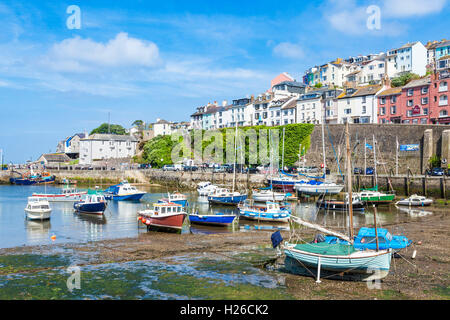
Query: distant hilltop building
71	145
106	146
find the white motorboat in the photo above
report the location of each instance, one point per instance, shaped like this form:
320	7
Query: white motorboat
206	188
415	200
267	195
38	209
66	195
316	188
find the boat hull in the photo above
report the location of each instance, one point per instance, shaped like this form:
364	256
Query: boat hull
28	182
424	203
212	220
170	222
379	199
264	217
61	197
339	205
316	190
127	197
97	208
229	200
365	267
38	215
268	197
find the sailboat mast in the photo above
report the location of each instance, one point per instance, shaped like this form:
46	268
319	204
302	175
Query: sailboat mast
282	156
323	146
235	156
349	181
375	162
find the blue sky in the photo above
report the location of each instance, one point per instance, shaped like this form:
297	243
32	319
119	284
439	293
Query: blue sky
162	59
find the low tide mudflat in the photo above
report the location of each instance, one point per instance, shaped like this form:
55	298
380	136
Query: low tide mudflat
215	266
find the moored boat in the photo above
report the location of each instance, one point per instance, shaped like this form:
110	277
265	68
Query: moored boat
340	205
267	195
93	203
66	195
415	201
376	197
272	212
38	209
315	188
206	188
31	178
123	192
226	197
176	198
218	219
165	215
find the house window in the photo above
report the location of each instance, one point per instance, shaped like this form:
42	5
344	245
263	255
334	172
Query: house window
423	121
393	99
363	109
383	100
410	103
348	111
382	111
405	121
443	86
410	92
424	100
424	90
443	113
409	113
443	100
393	109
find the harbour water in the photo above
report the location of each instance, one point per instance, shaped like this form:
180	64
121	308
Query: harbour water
120	221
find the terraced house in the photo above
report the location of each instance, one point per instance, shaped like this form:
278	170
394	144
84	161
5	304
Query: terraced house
359	104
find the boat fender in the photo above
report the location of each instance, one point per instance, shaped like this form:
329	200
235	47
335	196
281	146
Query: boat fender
139	218
148	222
143	220
53	238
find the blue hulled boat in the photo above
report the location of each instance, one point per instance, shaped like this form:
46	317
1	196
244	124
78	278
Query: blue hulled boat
177	198
33	178
218	219
123	192
94	203
225	197
272	212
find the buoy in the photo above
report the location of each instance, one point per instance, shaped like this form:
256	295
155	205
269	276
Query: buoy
53	238
139	218
414	254
419	243
143	220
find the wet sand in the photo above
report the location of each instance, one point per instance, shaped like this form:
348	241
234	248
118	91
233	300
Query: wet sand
425	277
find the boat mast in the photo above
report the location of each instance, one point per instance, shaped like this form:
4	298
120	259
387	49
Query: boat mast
235	156
349	181
375	162
323	145
282	155
375	223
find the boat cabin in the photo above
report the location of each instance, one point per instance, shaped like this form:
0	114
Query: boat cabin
168	207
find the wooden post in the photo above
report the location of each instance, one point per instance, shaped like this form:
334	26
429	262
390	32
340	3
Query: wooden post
425	191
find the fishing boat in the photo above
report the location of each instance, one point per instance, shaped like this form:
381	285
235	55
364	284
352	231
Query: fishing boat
272	212
176	198
415	201
31	178
93	203
373	196
66	195
316	188
205	188
283	182
336	260
165	215
340	205
226	197
38	209
367	238
218	219
263	195
123	192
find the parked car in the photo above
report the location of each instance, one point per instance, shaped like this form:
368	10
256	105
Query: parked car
370	171
437	172
168	167
358	171
218	169
252	170
190	168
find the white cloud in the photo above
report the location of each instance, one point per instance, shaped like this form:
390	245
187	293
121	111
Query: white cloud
288	50
408	8
77	54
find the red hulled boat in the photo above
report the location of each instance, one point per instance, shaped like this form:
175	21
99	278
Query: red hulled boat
165	215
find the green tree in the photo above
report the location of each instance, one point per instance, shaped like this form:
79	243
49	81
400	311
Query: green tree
403	79
138	123
113	129
318	85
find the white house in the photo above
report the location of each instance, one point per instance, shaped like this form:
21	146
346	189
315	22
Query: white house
412	57
106	146
359	105
71	145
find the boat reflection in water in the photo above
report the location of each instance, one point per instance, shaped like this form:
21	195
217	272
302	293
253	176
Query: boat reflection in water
414	213
37	230
199	229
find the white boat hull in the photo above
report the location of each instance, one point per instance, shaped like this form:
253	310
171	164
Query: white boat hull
263	197
315	190
38	214
409	203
